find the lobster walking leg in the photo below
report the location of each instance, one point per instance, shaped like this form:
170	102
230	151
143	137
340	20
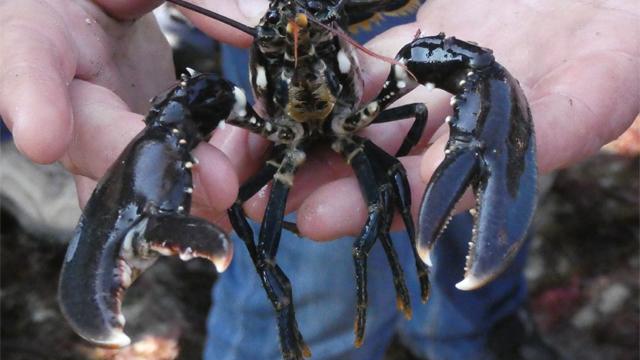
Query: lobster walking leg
418	111
247	190
273	279
403	301
366	239
396	175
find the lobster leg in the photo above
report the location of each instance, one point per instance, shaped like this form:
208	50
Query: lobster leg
491	147
372	113
396	175
403	301
273	279
376	196
247	190
417	110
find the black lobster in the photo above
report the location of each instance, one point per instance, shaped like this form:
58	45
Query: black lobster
305	76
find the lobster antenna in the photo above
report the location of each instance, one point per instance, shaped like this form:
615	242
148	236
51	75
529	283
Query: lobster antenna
223	19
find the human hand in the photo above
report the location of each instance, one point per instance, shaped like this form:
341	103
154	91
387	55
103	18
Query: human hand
74	79
556	50
577	63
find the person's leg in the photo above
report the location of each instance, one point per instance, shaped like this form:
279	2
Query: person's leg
242	323
454	324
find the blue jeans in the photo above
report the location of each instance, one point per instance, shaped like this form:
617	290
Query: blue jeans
452	325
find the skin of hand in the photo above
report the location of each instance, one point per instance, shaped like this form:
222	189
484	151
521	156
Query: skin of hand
562	51
578	63
74	79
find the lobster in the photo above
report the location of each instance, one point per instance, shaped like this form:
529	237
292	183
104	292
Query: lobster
305	76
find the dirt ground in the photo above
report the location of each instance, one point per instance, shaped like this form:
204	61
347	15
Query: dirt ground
583	274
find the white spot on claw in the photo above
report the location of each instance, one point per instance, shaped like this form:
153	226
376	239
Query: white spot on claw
118	339
121	320
425	254
468	283
188	164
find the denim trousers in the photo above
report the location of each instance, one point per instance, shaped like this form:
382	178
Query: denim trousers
453	324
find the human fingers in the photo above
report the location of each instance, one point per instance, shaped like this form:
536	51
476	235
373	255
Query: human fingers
127	9
36	65
105	126
45	44
84	188
574	118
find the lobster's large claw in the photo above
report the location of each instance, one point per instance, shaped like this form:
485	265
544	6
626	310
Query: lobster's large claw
96	272
503	175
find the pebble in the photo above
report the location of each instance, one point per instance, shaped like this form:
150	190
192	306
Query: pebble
585	318
612	298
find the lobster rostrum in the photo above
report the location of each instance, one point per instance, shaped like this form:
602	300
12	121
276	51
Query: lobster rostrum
306	80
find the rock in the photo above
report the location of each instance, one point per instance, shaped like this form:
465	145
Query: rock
42	198
585	318
612	299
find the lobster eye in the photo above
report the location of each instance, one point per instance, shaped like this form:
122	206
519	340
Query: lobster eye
273	16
